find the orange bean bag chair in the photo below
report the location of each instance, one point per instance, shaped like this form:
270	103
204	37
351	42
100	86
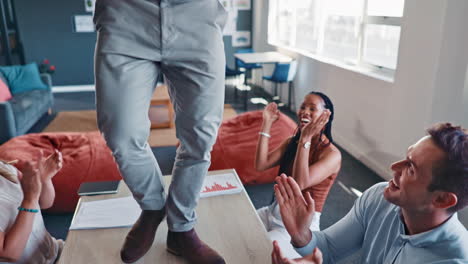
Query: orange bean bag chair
86	157
237	141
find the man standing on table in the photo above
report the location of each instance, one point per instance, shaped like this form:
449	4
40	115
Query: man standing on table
137	41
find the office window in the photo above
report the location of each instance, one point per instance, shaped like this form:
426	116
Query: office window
357	32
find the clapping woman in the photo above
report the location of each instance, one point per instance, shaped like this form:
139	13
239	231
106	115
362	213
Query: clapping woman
23	193
309	156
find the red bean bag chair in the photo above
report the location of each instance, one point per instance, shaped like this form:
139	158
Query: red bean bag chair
237	141
86	157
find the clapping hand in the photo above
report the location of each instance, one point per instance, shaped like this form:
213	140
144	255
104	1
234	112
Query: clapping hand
314	127
52	164
31	181
296	210
277	257
271	113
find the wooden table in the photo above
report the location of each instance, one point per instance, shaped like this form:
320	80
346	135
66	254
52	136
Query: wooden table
228	223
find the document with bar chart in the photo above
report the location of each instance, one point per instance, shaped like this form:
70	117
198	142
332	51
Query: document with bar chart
220	184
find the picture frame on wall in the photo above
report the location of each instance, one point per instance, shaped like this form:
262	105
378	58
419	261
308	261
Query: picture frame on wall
241	39
242	4
83	24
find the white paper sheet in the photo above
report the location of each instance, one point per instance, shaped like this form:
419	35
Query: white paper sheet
110	213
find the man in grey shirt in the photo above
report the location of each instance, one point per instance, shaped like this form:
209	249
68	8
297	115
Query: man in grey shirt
137	41
411	219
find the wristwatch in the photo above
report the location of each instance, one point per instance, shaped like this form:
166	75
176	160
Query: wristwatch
306	145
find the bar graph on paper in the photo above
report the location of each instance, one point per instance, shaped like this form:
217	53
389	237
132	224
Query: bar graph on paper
220	185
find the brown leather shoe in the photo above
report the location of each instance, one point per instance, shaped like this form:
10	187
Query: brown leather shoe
141	236
189	246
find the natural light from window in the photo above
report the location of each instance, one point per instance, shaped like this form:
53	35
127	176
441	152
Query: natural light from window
364	33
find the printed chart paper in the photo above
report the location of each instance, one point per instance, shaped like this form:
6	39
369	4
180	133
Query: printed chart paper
220	185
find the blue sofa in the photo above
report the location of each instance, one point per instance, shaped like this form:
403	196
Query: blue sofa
21	112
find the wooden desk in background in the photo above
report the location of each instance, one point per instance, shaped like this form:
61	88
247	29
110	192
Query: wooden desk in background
263	57
228	223
161	98
270	57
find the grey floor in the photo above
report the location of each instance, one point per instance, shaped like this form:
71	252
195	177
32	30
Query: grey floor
353	175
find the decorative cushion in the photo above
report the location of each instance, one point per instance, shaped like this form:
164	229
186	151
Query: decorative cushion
5	94
85	158
23	78
237	141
